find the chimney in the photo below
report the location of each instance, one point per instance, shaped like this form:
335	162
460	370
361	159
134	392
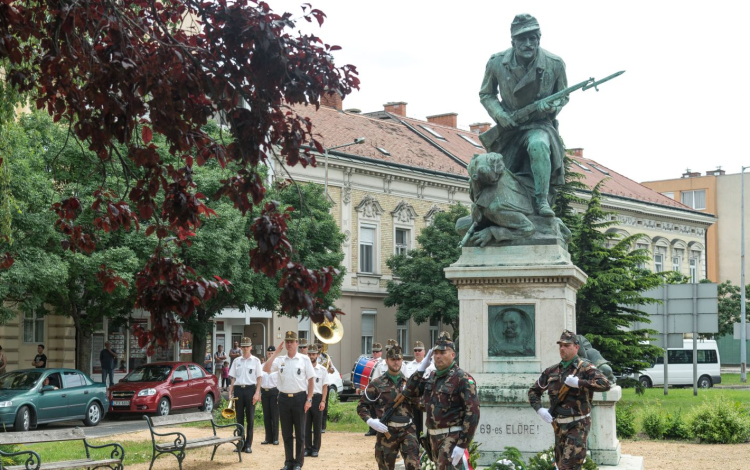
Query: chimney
331	100
479	127
396	107
717	172
691	174
576	152
446	119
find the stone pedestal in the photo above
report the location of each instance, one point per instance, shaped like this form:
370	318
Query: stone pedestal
514	303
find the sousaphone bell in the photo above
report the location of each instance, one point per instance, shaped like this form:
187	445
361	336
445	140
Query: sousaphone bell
328	332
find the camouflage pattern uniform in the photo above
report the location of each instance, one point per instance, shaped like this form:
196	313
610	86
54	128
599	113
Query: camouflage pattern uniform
403	438
572	433
450	400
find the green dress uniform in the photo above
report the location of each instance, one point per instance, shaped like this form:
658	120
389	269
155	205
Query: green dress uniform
403	435
450	402
572	414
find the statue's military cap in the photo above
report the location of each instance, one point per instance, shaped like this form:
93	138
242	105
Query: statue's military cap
523	23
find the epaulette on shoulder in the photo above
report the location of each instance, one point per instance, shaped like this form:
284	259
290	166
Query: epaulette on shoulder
552	56
500	54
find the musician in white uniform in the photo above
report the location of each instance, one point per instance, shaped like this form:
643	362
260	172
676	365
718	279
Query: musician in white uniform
245	374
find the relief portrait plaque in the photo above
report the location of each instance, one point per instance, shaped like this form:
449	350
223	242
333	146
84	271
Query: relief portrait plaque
511	331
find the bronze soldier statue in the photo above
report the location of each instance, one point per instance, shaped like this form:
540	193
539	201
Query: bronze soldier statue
570	385
384	408
449	397
522	75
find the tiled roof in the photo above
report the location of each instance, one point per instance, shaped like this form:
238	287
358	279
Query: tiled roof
333	127
619	185
410	142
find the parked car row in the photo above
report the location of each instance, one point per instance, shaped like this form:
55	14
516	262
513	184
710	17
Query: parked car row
31	398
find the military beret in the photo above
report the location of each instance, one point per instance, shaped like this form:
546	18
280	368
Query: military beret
271	348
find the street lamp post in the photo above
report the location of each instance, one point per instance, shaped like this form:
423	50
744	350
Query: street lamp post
743	321
357	141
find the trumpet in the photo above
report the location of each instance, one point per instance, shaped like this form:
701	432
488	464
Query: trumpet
328	332
228	412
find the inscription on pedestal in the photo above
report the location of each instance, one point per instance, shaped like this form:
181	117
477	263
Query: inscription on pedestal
511	330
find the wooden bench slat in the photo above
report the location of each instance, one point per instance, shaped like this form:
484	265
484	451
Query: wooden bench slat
173	420
68	464
35	437
194	443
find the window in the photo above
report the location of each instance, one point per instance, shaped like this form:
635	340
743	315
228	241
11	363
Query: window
181	373
676	264
658	262
368	331
402	241
196	372
707	356
33	328
669	194
303	334
471	141
432	131
366	249
434	331
693	270
582	166
695	199
73	379
402	334
601	169
680	356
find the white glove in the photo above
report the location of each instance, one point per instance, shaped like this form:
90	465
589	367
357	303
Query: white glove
458	453
377	425
571	381
544	413
425	362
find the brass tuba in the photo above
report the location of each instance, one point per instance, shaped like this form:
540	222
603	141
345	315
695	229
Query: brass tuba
228	412
328	332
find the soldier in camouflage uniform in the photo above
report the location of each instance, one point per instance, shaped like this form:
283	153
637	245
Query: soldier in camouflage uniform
403	436
570	385
450	401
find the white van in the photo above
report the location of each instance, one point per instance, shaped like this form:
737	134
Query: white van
680	364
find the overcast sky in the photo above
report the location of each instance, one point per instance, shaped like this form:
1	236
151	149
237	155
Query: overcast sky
682	103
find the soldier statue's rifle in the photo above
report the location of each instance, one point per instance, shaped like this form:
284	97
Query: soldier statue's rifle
468	235
564	389
521	115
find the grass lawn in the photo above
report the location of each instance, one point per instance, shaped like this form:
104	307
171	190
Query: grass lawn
732	379
135	452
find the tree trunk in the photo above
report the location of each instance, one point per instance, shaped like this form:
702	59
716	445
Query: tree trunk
199	325
199	348
84	343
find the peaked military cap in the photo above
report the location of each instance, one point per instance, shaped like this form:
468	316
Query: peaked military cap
290	336
444	342
246	342
568	336
523	23
377	347
303	343
391	343
313	349
418	345
395	353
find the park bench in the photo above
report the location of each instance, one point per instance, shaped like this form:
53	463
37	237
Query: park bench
34	461
179	443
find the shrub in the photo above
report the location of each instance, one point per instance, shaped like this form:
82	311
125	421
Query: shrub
509	459
473	454
676	426
625	422
543	460
654	423
721	422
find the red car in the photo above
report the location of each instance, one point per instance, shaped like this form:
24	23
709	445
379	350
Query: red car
162	386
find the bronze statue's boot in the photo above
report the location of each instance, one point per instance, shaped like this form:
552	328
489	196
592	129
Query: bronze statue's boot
542	206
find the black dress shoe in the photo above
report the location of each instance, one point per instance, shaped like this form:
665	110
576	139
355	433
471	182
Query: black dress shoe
322	431
307	452
370	433
265	442
275	443
248	450
297	467
314	453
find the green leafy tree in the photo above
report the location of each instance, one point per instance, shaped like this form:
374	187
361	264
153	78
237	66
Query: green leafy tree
568	195
422	292
616	282
730	301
